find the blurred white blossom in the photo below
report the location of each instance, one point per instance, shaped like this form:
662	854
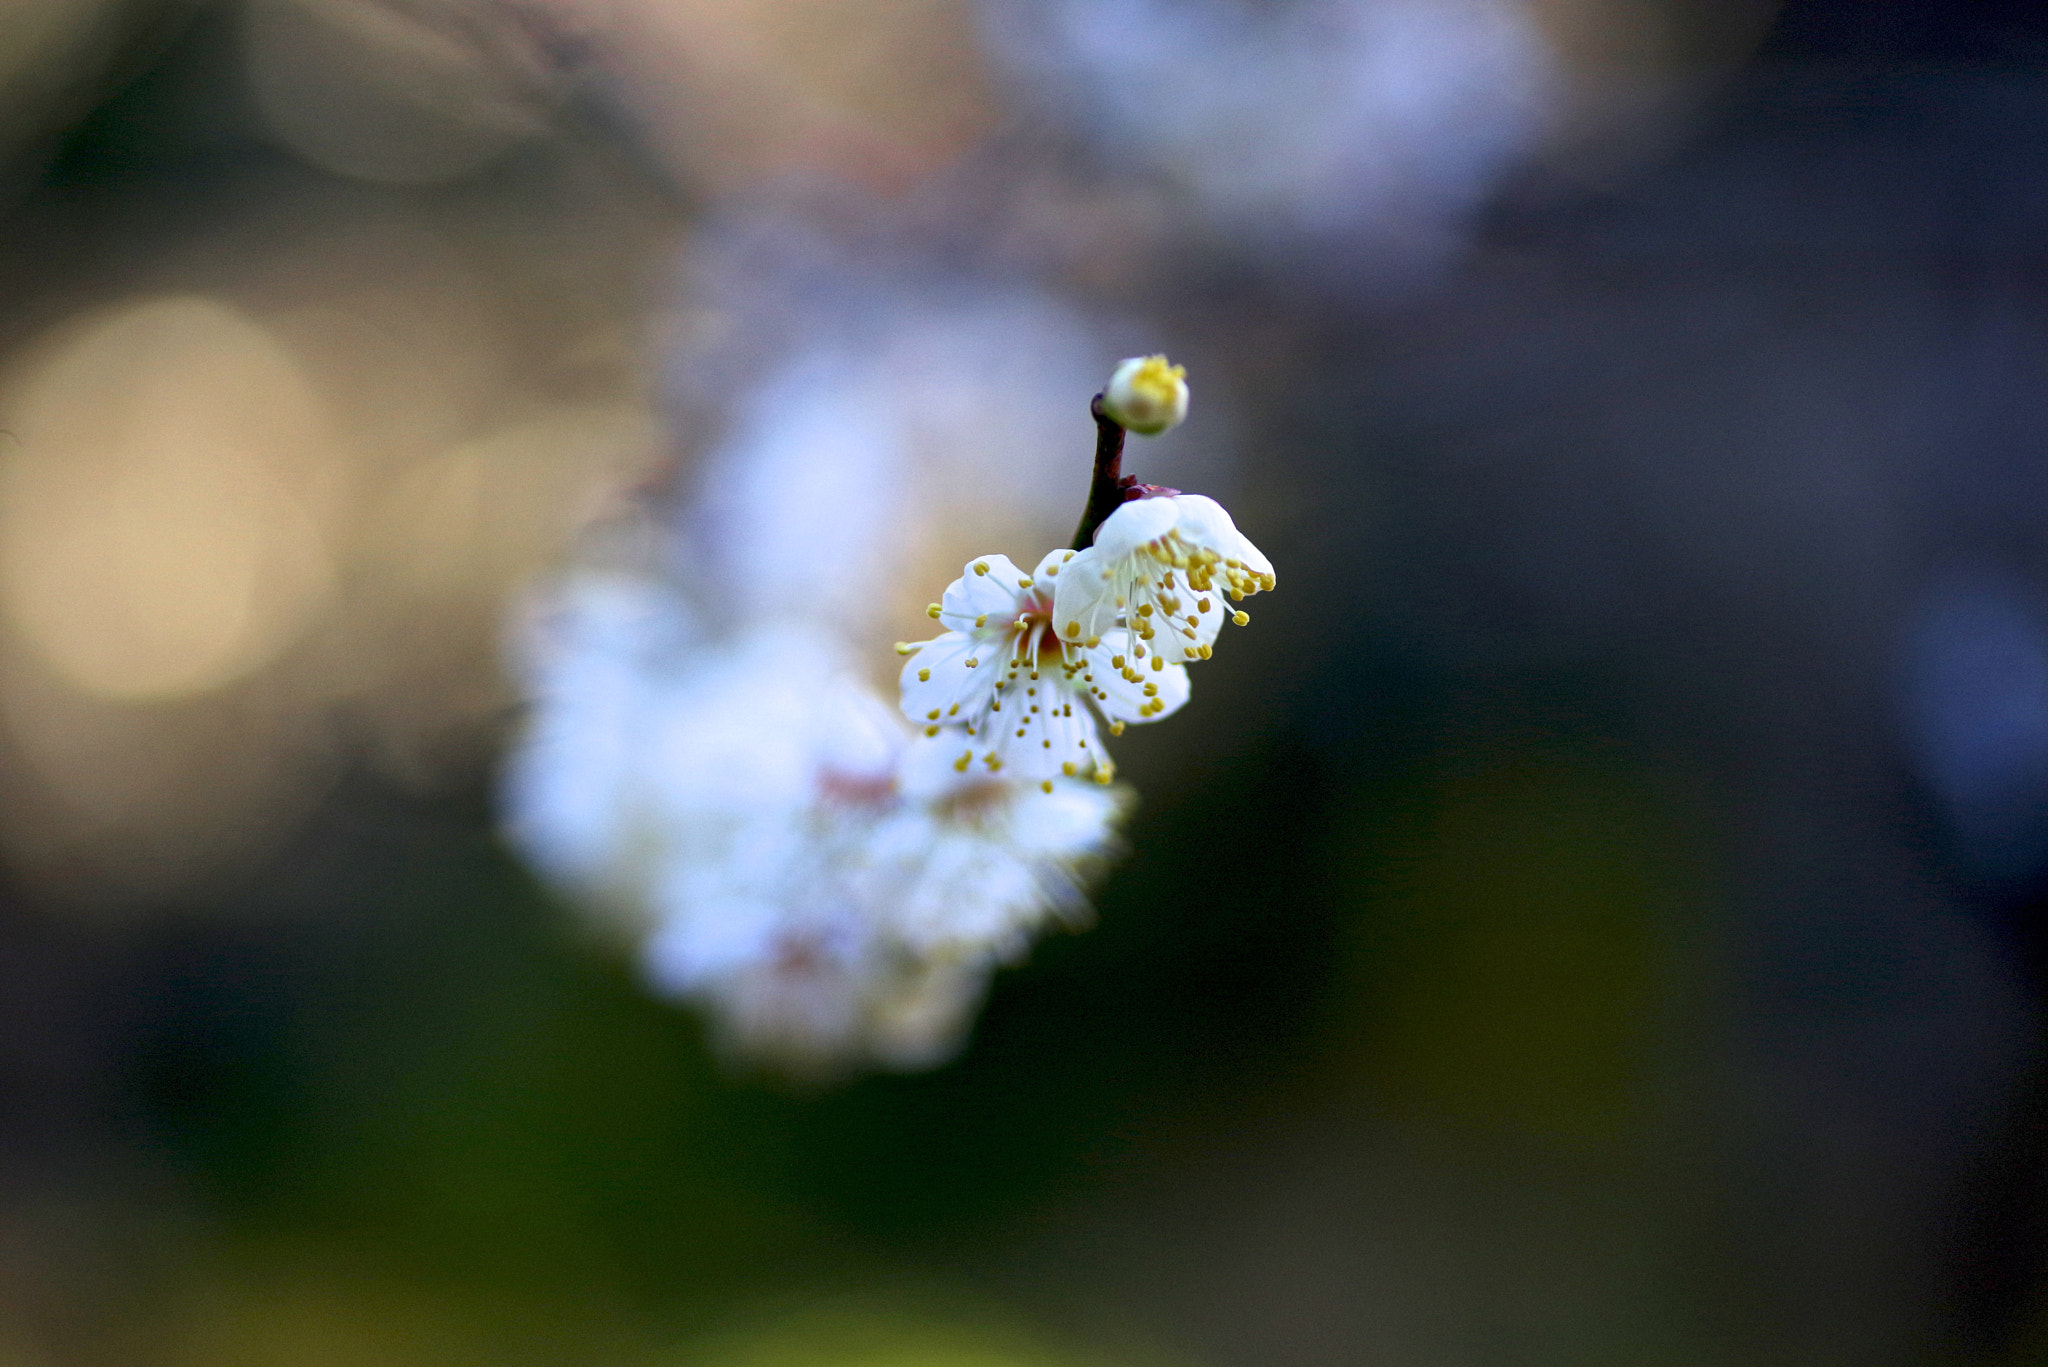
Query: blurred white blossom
902	429
1380	119
787	852
705	765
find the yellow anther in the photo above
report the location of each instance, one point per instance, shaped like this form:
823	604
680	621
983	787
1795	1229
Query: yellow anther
931	730
1151	690
1116	728
960	764
1117	661
932	611
1144	609
932	715
973	663
954	710
907	648
1158	663
981	621
981	567
1102	776
1241	617
1094	641
1024	583
1051	570
1068	768
924	676
1202	606
1048	744
1073	628
1047	785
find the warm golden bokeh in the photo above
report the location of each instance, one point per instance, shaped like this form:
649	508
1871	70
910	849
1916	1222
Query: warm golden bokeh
164	514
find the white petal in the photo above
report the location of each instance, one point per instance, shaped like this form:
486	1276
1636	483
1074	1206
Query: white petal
1037	735
1050	568
1136	523
1203	522
1123	698
986	589
940	687
1072	822
1084	606
1174	622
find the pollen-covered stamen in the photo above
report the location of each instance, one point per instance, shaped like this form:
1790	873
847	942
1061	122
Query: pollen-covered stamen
1165	569
1032	707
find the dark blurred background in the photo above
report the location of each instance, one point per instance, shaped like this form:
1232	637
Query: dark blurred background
1598	917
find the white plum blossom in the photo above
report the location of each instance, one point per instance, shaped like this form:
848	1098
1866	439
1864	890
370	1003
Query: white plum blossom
978	863
1146	395
1159	570
1009	692
784	850
704	765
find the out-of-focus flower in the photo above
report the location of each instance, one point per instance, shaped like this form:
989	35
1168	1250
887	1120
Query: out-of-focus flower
1146	395
1003	649
789	855
706	766
1160	568
1376	121
850	463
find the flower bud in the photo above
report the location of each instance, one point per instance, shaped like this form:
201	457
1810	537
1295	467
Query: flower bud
1146	395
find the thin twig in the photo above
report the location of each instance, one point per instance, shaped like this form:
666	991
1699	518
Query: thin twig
1108	489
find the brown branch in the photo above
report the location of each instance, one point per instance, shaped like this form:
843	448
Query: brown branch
1108	489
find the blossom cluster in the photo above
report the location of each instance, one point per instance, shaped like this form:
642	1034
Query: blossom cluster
1109	629
831	881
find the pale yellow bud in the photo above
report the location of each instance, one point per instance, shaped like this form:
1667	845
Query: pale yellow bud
1146	395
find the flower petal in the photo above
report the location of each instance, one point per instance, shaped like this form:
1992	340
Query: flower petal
1084	597
986	589
1049	568
1136	523
1121	690
1203	522
1038	735
940	687
1171	619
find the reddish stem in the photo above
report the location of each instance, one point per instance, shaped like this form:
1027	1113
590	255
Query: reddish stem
1109	488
